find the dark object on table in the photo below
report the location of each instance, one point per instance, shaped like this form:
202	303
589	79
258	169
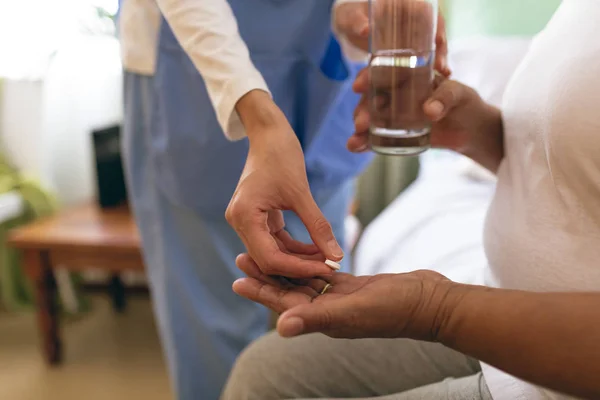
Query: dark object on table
110	177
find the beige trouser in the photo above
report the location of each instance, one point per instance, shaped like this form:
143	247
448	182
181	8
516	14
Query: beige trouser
315	366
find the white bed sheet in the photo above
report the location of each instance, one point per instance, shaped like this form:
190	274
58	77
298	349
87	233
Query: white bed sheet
436	224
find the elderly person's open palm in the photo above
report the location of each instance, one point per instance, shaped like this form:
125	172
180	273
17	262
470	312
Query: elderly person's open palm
347	306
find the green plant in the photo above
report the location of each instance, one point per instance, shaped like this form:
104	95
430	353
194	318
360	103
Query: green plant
100	22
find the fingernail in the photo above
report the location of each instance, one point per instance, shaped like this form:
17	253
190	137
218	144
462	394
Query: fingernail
362	148
436	108
445	64
359	30
326	272
292	326
236	284
335	249
361	119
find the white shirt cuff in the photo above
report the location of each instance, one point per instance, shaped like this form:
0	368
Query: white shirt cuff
236	89
350	51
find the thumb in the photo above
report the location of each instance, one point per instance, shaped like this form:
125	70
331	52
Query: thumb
352	20
308	318
446	97
319	228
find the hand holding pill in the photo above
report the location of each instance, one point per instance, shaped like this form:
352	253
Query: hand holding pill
274	179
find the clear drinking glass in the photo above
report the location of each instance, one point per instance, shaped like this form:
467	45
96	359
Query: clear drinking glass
401	74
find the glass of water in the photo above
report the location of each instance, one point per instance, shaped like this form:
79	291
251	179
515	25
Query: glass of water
401	74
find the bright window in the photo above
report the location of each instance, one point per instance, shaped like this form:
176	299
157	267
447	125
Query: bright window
32	30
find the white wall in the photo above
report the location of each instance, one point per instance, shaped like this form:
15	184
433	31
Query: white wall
83	91
60	82
21	114
46	124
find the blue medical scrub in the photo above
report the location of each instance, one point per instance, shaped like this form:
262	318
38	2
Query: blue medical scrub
182	173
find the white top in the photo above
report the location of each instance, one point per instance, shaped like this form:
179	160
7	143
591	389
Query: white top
543	227
208	32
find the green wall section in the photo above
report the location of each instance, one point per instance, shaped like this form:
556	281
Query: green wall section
497	17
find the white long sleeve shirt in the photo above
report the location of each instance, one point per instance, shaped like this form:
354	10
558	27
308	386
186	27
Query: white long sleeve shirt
208	32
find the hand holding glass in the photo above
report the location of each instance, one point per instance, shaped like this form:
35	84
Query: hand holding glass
401	74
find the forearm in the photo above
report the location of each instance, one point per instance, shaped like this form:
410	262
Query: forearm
208	32
544	338
487	148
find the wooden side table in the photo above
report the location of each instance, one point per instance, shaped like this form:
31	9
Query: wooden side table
76	239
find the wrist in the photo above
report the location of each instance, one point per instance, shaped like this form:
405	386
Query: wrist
434	298
258	112
486	146
460	306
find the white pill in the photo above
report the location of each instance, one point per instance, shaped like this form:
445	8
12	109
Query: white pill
333	265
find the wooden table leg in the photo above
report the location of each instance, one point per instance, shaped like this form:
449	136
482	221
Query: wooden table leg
38	268
117	292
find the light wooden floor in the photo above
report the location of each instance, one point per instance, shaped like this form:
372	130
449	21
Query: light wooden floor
107	356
